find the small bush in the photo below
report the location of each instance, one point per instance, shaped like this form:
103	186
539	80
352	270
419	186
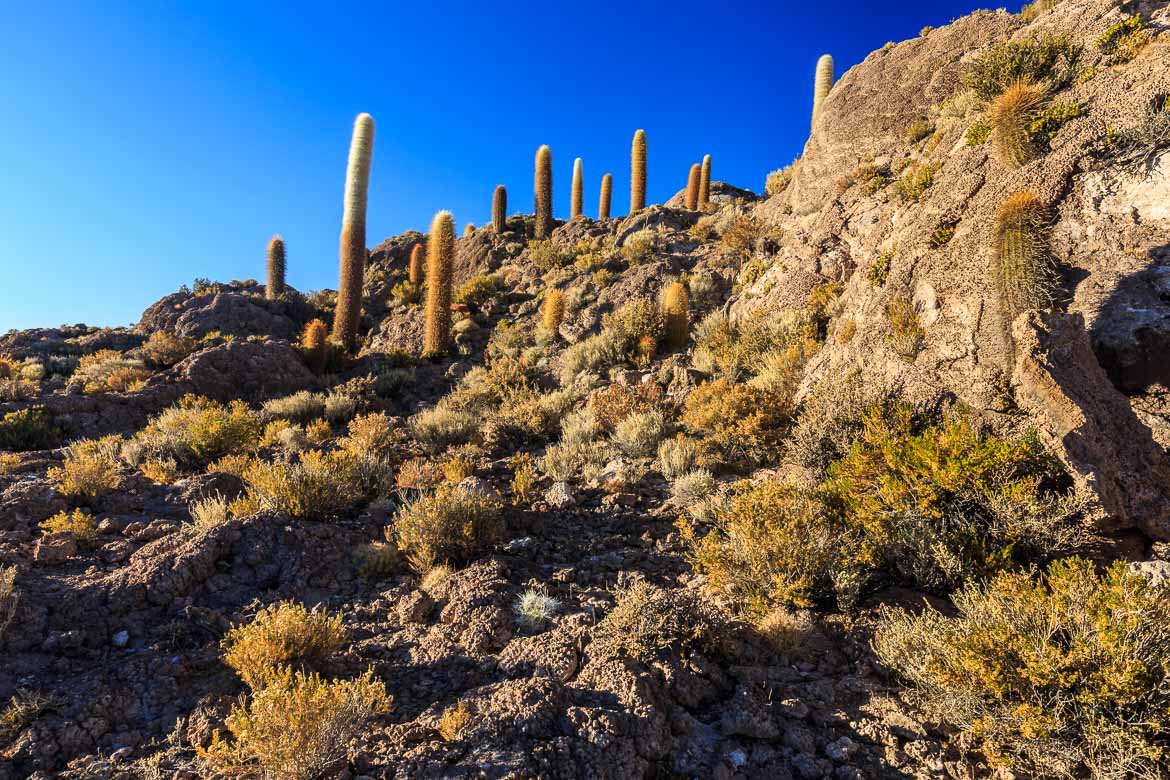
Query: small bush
27	429
23	710
831	419
78	522
1062	675
919	129
535	609
450	525
278	636
778	180
614	403
697	494
1050	59
477	291
941	236
298	407
647	620
164	471
978	132
210	511
109	371
594	353
635	319
546	255
640	246
906	332
523	483
563	462
9	598
638	435
914	181
163	349
736	351
369	434
679	455
454	720
198	430
1124	39
442	426
90	469
744	423
295	727
879	271
316	485
739	241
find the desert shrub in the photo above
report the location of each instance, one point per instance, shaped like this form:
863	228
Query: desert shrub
163	349
914	181
978	132
778	180
773	544
295	727
301	407
679	455
315	485
406	291
9	597
377	561
1140	143
563	462
78	522
535	609
460	463
581	426
442	426
739	240
369	434
546	255
594	353
27	429
780	369
919	129
281	635
1067	674
453	720
23	710
108	370
198	430
418	474
90	469
638	435
831	419
640	246
879	271
1124	39
736	351
450	525
744	423
340	406
906	332
698	494
210	511
614	403
646	620
478	290
943	504
1050	59
523	484
633	320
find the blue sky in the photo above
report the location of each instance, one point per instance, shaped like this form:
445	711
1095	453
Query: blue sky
145	144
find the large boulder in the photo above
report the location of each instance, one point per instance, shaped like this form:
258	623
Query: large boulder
230	311
250	370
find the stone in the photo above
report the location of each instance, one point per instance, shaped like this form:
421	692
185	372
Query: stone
121	639
55	548
559	496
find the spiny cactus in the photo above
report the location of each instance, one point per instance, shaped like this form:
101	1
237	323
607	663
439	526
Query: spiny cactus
275	286
638	172
552	311
468	229
676	314
578	203
315	346
543	192
440	263
416	265
606	196
1011	116
499	208
353	233
822	84
1025	272
692	196
705	183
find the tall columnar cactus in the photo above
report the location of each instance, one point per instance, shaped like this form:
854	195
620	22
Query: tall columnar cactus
578	204
638	172
1025	271
822	84
543	192
353	233
468	229
692	196
606	196
1011	115
440	263
276	265
552	311
676	314
315	346
416	265
705	183
499	208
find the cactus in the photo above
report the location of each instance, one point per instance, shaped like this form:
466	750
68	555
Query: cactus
499	208
468	229
416	265
705	183
552	311
606	196
543	192
692	196
676	314
315	346
1025	273
275	286
638	172
353	233
440	263
822	84
1011	116
578	202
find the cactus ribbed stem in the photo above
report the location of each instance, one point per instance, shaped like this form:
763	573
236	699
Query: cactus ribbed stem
499	208
315	346
1025	271
638	172
416	265
692	196
440	264
353	233
606	196
822	84
1010	116
468	229
543	192
676	314
705	183
276	265
552	311
578	202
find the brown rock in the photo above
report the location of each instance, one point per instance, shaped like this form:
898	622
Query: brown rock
55	548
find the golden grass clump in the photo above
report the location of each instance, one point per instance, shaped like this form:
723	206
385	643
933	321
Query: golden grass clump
450	525
280	635
79	523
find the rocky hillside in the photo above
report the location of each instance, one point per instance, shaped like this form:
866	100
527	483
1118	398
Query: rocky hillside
863	477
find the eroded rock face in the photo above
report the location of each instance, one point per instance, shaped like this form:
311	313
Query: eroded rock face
235	312
251	370
1107	449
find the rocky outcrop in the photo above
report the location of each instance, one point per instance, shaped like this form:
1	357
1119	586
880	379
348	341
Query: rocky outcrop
231	311
251	370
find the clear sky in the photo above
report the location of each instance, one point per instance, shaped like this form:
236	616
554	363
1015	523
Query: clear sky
145	144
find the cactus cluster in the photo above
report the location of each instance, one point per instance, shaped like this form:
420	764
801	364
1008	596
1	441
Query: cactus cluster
499	208
353	233
276	265
822	84
705	183
440	264
606	196
542	188
468	229
578	201
1011	115
638	172
692	196
1025	273
676	315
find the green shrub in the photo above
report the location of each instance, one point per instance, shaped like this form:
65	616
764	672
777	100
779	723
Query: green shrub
914	181
1063	675
546	255
1124	39
450	525
978	133
478	290
941	235
879	271
27	429
919	129
633	320
1050	59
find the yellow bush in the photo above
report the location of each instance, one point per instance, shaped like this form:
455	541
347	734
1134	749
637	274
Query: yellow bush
1125	39
369	433
295	726
164	349
198	430
523	482
906	332
316	485
27	429
1064	675
78	522
281	635
635	319
450	525
107	370
90	469
744	423
161	470
739	240
646	620
454	720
